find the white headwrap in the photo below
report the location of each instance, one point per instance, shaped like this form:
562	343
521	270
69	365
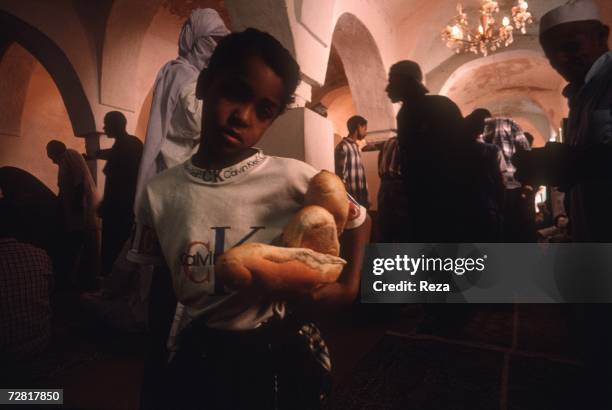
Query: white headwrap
573	10
196	45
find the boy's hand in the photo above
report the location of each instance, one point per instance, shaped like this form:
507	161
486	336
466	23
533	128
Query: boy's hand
340	294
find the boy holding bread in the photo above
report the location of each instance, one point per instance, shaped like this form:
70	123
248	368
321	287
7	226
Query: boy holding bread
239	343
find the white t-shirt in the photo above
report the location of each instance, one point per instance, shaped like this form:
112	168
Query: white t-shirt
196	214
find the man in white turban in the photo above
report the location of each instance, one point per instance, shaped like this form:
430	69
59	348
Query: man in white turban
575	41
173	133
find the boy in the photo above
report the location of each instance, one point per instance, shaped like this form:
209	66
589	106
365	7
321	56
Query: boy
234	354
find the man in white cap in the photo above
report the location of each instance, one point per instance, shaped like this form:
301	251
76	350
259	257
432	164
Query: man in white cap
575	42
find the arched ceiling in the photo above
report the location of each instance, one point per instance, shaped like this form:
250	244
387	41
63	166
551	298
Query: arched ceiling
518	84
522	72
417	24
356	45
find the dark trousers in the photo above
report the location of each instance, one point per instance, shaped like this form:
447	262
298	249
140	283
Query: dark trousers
267	368
79	266
116	229
519	217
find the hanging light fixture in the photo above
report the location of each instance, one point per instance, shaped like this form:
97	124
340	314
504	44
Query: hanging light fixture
489	36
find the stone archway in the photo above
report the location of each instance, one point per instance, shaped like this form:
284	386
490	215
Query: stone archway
355	46
355	52
17	64
58	66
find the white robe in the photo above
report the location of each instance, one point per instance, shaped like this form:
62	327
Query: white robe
173	131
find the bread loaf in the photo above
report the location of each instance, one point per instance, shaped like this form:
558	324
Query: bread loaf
311	239
313	227
327	190
276	267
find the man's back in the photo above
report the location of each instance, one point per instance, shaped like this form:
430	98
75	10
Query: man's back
510	139
427	130
121	172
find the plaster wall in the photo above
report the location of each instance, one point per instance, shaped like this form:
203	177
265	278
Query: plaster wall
301	134
44	118
59	21
16	67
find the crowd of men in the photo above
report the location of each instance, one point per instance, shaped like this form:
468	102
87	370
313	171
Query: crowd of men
444	177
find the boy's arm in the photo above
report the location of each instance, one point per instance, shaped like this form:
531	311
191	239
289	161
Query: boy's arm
344	291
337	295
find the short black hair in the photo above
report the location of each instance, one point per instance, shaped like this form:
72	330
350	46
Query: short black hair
55	147
354	122
474	122
116	119
234	49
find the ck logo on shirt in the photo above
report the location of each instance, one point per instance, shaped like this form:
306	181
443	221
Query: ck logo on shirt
221	175
198	260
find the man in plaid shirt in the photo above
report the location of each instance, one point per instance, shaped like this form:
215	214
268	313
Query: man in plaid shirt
26	279
510	138
519	211
349	166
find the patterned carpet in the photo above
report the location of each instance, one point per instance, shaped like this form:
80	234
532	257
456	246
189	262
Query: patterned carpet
487	357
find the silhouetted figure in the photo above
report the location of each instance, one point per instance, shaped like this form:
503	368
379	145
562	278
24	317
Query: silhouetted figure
78	202
482	181
349	165
121	170
393	202
426	124
519	208
32	206
26	279
575	41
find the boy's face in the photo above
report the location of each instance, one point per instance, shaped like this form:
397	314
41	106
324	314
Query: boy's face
240	105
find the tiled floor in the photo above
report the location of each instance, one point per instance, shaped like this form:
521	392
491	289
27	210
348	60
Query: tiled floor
487	357
506	357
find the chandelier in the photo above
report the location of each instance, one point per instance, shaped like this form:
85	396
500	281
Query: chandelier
489	35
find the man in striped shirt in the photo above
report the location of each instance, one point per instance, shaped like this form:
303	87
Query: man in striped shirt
349	166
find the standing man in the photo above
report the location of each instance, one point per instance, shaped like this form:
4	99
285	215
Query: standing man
121	170
519	208
349	166
575	42
392	199
78	201
427	126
